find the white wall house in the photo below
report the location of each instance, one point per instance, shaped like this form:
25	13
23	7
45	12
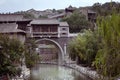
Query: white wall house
63	29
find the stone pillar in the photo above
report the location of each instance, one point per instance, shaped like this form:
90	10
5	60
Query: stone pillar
65	50
65	53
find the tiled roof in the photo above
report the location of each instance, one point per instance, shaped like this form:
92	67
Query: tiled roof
11	17
86	10
58	15
10	28
90	11
45	21
64	24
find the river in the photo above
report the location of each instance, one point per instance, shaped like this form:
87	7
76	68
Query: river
55	72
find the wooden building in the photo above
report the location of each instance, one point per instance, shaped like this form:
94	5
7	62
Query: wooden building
11	30
15	18
47	28
90	15
14	25
37	28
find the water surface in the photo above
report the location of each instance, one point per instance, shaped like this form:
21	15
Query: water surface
55	72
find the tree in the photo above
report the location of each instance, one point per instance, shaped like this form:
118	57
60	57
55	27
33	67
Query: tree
106	8
85	47
10	56
77	22
31	57
71	48
28	15
97	7
54	10
107	60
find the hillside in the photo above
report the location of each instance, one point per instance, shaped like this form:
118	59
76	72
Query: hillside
101	9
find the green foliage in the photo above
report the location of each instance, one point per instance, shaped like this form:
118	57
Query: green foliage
85	46
108	57
71	49
28	15
100	48
31	57
107	8
10	55
77	22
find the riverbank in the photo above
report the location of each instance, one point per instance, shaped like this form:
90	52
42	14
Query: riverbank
87	71
84	70
24	74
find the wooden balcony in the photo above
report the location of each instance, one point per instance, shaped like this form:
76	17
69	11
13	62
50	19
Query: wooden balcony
48	33
45	35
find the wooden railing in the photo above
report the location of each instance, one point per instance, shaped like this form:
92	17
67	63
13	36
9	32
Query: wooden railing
44	32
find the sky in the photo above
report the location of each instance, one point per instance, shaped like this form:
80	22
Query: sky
22	5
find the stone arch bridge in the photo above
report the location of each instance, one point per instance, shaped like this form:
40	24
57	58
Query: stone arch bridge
60	44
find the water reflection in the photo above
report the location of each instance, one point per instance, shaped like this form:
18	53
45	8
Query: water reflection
54	72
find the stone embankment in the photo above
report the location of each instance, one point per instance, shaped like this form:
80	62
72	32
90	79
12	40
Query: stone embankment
84	70
24	74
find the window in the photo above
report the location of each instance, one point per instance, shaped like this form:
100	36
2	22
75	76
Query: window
64	29
64	33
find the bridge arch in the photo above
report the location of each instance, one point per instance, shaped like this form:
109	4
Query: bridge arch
56	44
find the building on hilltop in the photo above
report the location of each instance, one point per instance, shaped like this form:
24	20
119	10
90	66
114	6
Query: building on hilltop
90	15
66	12
58	16
70	9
